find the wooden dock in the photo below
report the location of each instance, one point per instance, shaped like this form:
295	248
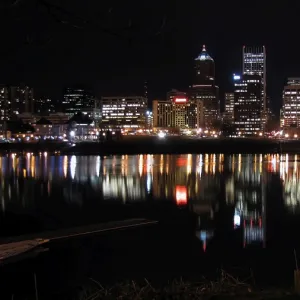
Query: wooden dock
16	246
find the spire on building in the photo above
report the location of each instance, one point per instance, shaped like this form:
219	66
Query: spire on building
204	55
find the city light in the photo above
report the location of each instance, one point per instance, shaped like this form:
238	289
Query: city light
181	195
180	100
161	134
236	77
72	133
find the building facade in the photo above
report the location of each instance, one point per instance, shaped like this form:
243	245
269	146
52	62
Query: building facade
228	116
179	113
44	105
162	114
205	90
291	104
77	99
248	105
254	63
126	112
15	100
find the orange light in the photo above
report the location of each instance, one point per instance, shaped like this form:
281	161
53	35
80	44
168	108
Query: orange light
181	162
181	195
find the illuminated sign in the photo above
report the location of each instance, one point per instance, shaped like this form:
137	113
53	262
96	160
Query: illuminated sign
236	77
180	100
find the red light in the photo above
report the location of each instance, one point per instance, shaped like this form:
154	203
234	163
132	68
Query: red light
181	195
180	100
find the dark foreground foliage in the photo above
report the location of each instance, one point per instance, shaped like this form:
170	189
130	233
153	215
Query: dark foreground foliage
227	287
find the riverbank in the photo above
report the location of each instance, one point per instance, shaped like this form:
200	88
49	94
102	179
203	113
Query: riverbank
154	145
183	145
226	287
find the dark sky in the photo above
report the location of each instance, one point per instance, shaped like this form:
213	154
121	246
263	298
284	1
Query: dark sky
48	47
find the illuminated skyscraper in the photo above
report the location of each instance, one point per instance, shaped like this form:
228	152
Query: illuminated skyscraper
15	100
204	68
229	108
254	63
204	88
77	99
247	105
291	103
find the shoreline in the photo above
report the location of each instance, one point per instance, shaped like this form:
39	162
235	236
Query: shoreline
133	145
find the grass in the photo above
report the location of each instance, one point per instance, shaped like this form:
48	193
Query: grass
226	287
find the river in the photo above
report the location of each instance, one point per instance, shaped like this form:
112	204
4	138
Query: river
214	211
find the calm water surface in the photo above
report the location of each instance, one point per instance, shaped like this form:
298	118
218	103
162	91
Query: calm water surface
214	210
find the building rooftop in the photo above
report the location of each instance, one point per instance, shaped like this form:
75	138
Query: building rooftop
204	55
43	121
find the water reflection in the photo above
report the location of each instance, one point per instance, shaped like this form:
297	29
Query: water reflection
200	183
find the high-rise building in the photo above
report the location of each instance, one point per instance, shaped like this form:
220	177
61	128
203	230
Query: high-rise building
126	112
254	63
204	68
229	108
15	100
205	90
248	105
162	114
291	103
77	99
179	113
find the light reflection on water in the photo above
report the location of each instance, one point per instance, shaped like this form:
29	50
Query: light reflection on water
199	182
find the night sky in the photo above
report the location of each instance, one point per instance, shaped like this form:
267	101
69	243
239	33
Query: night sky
114	46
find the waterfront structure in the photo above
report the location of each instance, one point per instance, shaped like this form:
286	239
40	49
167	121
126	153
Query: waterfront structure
254	63
126	112
228	116
43	127
291	104
248	105
77	99
204	89
15	100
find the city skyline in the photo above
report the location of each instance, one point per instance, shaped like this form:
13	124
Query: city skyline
159	46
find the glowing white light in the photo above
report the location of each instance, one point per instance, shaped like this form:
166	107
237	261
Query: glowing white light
73	166
161	134
72	133
237	220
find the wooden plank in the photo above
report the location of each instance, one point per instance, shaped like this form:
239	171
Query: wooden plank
17	248
21	244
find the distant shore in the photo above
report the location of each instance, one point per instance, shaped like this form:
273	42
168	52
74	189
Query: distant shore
183	145
155	145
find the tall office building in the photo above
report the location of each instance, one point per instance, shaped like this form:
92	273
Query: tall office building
77	99
204	68
126	112
15	100
291	103
254	63
248	105
205	90
229	108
